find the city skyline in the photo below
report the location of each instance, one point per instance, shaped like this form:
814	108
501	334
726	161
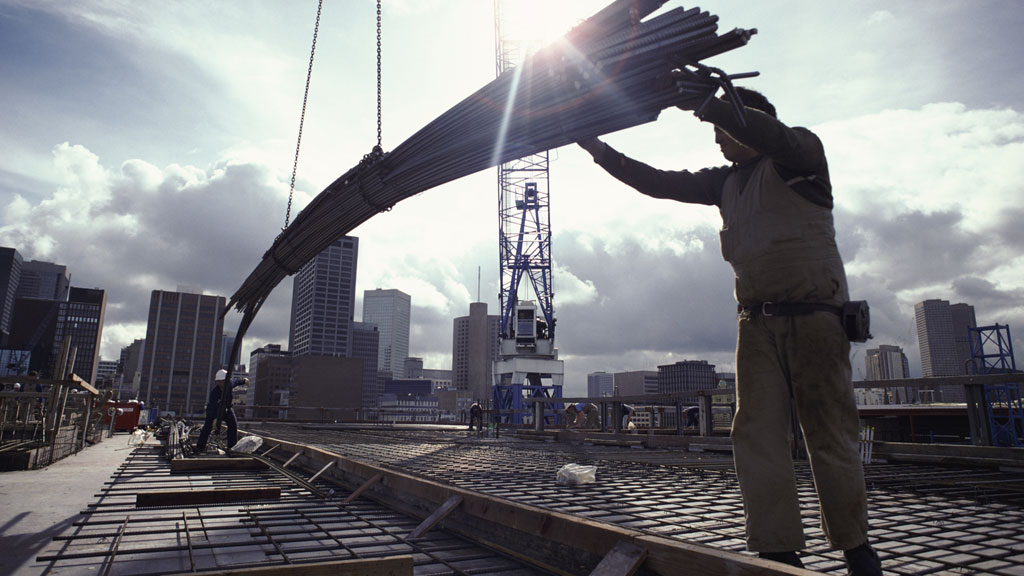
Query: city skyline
180	175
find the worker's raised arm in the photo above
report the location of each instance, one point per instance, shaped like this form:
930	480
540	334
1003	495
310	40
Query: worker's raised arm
795	148
703	187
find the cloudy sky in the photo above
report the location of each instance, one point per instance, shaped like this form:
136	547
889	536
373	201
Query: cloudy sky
149	145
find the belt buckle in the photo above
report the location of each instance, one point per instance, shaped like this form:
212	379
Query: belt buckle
764	308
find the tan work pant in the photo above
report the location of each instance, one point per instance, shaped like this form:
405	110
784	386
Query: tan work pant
808	356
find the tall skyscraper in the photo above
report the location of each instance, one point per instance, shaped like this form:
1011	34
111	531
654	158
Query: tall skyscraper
686	375
10	275
80	320
475	347
44	280
600	384
323	302
390	310
182	350
943	338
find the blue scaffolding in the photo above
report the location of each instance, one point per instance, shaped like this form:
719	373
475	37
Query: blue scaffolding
992	353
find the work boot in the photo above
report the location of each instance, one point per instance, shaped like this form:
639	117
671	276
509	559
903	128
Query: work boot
790	558
863	561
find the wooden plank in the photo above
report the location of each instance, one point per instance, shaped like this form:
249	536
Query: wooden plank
438	515
366	486
392	566
984	456
215	464
670	556
216	496
622	560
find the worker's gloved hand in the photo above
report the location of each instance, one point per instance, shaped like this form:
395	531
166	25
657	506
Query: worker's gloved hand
691	91
594	146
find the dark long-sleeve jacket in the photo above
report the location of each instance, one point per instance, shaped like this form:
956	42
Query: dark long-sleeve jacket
797	155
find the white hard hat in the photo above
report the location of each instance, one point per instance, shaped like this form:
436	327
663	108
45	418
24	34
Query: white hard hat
221	374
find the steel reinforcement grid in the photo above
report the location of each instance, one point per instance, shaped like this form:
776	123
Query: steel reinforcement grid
925	519
116	536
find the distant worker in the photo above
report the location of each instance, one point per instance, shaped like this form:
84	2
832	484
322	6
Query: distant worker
775	200
476	416
692	414
220	392
582	415
627	416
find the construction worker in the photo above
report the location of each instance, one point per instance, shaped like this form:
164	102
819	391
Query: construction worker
627	416
582	415
476	415
221	391
776	205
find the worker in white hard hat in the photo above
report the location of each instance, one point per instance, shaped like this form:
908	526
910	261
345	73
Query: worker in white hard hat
220	392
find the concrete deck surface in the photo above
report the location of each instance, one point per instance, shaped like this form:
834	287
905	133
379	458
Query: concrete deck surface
36	505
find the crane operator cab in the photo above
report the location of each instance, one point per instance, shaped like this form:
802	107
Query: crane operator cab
530	326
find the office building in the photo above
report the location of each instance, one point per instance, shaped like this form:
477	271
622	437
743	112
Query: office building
637	382
182	351
44	280
270	374
390	310
365	346
227	345
475	348
79	323
131	368
887	363
944	341
685	376
323	302
10	275
600	384
326	388
34	329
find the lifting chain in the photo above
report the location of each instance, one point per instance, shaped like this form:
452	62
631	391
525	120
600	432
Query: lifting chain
305	98
378	77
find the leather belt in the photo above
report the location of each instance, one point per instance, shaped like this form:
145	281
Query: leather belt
788	308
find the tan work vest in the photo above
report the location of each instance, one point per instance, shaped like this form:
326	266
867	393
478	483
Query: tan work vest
781	246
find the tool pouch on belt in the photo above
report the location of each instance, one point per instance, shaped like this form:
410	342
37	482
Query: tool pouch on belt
857	320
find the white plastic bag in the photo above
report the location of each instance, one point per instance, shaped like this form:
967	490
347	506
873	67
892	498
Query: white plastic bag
247	445
575	474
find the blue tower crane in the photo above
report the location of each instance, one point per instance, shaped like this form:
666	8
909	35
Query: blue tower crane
528	365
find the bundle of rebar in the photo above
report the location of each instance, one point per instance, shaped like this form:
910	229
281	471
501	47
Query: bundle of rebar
613	71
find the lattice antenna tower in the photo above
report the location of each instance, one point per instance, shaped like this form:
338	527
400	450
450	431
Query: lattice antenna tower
524	236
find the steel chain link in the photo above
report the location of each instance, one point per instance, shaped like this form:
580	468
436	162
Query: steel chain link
302	117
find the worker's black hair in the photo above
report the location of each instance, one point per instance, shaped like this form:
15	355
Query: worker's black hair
754	99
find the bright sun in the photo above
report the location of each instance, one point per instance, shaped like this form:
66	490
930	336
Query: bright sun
533	24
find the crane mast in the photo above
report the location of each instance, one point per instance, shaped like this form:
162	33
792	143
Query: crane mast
528	364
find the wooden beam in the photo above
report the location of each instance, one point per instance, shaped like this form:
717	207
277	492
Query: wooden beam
366	486
985	456
215	496
622	560
438	515
215	464
392	566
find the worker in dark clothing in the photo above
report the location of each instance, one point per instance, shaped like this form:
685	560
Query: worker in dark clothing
776	206
220	392
582	415
476	416
692	414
